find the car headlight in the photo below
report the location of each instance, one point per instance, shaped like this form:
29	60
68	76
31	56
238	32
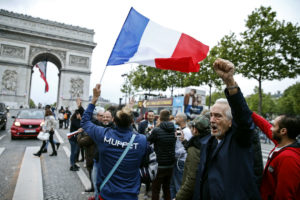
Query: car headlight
17	124
42	123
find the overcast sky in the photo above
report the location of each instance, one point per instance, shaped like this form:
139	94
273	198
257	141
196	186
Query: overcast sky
207	21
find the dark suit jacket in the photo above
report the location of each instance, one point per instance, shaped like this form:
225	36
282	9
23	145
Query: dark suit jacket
143	126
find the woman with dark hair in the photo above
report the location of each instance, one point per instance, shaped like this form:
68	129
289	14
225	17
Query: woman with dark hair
75	126
49	126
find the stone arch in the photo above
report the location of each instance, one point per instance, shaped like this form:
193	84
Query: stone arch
46	56
51	57
26	40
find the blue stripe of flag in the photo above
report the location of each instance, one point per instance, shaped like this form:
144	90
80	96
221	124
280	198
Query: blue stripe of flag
129	38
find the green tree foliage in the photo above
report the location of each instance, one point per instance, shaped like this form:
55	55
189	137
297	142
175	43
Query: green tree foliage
214	96
127	87
148	78
228	48
151	79
31	104
289	102
268	50
173	79
268	107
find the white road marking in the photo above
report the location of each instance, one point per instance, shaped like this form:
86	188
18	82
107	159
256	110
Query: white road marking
82	176
2	137
60	140
1	150
30	183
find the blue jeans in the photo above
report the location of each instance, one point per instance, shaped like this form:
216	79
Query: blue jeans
176	179
46	147
67	123
94	178
74	150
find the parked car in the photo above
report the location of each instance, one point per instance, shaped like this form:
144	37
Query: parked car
3	116
27	123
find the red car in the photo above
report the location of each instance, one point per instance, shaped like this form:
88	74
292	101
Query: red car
27	123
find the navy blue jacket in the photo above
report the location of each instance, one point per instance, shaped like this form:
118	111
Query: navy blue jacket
143	126
231	174
125	182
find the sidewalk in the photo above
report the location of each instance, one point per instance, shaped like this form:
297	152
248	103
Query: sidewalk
58	181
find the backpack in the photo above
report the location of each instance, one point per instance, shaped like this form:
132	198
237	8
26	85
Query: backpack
148	170
65	116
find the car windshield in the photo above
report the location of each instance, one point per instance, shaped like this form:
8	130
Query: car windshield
31	114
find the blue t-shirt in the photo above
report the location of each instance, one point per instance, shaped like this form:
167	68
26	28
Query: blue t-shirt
125	182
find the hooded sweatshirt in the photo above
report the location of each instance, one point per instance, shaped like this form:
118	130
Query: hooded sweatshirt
163	138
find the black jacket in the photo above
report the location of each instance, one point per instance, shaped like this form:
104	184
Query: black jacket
143	126
163	138
75	125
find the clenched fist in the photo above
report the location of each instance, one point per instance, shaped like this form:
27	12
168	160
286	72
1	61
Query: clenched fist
225	70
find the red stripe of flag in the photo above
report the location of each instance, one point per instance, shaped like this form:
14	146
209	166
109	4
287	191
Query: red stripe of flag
186	56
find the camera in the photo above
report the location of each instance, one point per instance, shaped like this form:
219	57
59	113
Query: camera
178	132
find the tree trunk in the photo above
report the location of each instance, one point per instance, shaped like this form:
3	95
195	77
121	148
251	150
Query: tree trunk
260	97
209	103
172	91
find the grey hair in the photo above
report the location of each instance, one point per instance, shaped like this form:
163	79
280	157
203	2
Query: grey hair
228	109
183	116
101	110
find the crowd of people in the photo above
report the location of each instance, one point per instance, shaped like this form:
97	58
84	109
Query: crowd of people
214	156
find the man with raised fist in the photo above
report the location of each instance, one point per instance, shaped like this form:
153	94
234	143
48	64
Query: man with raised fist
226	161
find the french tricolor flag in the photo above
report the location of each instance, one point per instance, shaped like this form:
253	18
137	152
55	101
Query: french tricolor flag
42	66
145	42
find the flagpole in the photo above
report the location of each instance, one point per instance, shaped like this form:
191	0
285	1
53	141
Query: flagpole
103	74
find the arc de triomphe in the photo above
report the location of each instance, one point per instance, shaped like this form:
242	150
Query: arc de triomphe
25	41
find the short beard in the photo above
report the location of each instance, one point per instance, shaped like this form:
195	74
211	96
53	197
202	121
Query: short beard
277	138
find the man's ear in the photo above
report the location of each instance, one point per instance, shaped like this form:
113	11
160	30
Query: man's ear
283	131
230	123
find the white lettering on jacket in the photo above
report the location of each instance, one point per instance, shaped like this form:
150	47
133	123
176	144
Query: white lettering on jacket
117	143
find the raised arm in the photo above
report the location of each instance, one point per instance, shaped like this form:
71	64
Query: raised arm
94	131
239	108
263	125
240	111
